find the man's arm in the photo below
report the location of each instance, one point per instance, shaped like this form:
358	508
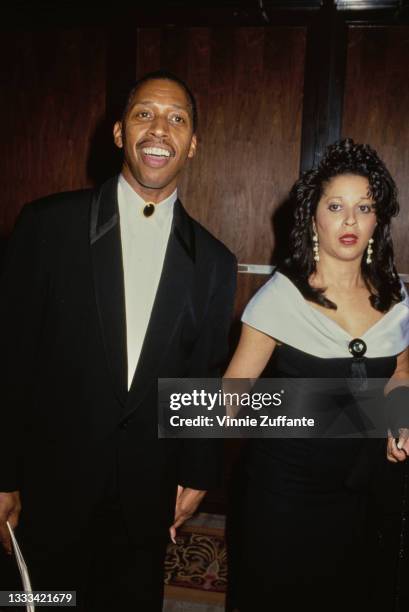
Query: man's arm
20	315
201	460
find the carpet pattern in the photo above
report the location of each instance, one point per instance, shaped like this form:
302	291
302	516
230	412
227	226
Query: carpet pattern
196	566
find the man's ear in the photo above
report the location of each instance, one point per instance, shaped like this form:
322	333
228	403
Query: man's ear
193	145
118	135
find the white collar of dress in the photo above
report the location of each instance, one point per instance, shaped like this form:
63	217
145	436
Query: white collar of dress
280	310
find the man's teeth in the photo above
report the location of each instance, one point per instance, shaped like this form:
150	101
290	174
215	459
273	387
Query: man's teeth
156	151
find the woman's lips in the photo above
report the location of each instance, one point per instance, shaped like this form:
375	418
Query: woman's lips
348	239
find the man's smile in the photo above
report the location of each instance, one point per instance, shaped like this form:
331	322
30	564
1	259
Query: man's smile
156	156
156	151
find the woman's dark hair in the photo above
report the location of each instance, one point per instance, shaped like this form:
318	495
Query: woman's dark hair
380	276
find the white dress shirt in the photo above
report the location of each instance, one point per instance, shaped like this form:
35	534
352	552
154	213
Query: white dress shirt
144	241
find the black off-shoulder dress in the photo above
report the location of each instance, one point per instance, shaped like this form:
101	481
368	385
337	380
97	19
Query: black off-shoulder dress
297	526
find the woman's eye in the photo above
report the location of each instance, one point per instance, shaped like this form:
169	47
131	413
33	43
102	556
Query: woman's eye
365	208
334	206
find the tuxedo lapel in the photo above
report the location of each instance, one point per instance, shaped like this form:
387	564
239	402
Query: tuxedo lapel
106	251
173	290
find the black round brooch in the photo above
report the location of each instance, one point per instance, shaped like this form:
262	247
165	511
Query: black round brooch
357	347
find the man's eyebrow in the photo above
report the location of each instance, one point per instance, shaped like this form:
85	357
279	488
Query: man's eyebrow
178	106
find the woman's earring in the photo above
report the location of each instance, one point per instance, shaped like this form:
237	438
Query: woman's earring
316	247
369	251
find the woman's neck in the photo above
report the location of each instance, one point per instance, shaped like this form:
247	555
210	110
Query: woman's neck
344	275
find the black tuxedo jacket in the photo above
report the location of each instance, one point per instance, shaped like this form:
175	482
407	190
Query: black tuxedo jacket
70	428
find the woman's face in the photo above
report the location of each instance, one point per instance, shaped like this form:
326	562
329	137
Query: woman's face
345	218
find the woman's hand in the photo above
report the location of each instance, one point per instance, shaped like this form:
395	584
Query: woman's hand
398	450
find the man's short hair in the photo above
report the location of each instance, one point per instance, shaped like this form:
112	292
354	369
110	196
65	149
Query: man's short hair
168	76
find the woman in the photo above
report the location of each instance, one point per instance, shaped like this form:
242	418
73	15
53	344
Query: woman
334	308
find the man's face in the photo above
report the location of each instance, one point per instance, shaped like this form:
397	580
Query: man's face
157	138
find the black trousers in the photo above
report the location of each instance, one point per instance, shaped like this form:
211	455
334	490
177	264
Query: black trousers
105	567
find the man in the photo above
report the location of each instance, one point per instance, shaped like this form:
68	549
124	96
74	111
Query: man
104	292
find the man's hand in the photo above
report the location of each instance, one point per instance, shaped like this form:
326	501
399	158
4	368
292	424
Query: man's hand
10	508
398	451
187	501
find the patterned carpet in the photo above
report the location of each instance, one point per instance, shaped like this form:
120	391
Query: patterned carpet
196	567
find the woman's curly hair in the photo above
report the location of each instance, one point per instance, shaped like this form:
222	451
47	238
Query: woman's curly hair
380	276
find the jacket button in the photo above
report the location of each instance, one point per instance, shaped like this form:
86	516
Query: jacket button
124	425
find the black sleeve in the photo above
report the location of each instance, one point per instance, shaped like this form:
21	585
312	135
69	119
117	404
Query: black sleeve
21	304
201	459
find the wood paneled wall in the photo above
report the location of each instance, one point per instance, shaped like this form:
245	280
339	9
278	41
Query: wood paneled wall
59	85
53	100
376	104
249	86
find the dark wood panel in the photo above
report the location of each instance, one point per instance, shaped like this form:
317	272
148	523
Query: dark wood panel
323	84
249	86
376	106
52	104
148	50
